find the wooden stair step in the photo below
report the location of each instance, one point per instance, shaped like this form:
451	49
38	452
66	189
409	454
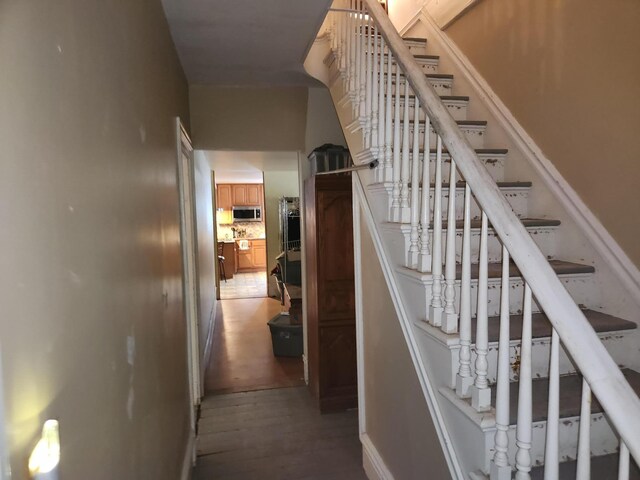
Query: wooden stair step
541	327
462	184
461	123
603	467
527	222
570	396
559	266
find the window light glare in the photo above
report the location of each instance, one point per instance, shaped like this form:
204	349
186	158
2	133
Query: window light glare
46	455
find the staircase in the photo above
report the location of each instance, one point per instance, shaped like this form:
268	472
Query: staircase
526	363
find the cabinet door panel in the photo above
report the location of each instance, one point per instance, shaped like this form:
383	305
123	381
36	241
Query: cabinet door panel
259	255
224	199
253	195
245	259
239	193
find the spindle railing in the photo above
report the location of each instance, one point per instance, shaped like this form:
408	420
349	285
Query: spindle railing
384	82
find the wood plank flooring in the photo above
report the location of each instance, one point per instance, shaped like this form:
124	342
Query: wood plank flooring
276	434
242	357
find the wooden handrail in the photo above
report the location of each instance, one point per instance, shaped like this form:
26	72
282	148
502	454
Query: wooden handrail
604	377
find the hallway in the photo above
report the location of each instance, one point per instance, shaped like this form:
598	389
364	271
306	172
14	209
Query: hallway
276	434
258	420
241	355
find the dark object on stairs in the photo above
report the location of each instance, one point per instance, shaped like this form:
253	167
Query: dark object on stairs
285	337
329	157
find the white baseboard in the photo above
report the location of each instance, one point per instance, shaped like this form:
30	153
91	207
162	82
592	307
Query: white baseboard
621	265
373	464
189	457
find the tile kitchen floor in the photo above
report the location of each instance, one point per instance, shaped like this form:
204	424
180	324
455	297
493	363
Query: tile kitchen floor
244	285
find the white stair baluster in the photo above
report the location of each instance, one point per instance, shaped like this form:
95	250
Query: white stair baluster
623	463
480	391
395	200
369	83
388	124
551	461
424	256
352	52
583	469
362	71
464	379
435	308
374	95
414	249
500	468
343	35
450	317
404	168
524	427
381	115
357	70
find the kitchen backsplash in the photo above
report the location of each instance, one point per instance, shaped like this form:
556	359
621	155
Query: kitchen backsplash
252	229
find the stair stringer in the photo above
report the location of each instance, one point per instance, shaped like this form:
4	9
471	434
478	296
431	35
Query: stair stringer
407	318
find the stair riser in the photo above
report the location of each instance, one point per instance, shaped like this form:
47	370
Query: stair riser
603	440
493	163
457	108
543	236
428	65
615	342
416	48
475	134
442	86
579	286
518	198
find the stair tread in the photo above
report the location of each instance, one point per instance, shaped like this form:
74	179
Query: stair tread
541	327
570	396
479	151
420	56
559	266
603	467
462	184
448	76
462	123
527	222
444	98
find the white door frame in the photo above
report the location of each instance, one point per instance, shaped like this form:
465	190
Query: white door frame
189	242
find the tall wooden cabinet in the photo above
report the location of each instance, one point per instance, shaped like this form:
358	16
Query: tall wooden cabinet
330	292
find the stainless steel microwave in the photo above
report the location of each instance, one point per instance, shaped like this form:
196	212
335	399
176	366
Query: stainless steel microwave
247	214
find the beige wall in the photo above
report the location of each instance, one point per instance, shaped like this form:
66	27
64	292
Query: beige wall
570	73
323	125
397	417
90	257
245	118
277	184
206	256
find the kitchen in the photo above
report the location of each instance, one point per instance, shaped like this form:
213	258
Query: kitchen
241	236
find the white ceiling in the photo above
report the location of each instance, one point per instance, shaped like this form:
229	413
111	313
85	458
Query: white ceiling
245	42
247	167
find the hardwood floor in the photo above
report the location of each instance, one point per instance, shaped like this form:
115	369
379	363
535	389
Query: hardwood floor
276	435
242	358
262	430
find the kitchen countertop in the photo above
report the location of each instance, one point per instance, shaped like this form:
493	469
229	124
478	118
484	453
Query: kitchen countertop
238	239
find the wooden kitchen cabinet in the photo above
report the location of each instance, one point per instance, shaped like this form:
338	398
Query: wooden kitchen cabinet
239	195
253	195
259	248
253	258
224	198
